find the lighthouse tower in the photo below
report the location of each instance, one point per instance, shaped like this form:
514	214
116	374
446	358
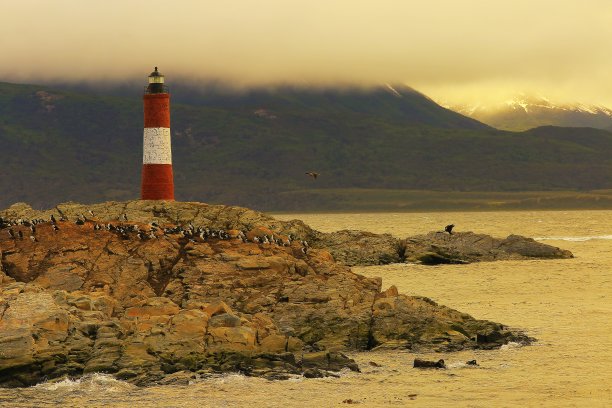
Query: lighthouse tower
157	179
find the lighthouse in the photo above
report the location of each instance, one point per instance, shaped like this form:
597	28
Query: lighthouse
157	179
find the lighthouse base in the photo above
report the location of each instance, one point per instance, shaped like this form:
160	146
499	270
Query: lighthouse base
157	182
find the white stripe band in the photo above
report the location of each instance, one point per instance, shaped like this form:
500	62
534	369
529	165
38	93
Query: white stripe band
156	146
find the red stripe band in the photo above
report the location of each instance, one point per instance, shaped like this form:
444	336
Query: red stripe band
156	110
157	182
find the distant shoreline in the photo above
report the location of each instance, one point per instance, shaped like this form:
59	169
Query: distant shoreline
353	200
411	201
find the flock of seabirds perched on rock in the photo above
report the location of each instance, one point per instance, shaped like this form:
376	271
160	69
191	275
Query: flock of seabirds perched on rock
153	231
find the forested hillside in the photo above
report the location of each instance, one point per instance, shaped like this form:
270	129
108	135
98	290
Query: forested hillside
253	148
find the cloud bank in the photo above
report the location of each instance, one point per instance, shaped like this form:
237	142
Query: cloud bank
452	49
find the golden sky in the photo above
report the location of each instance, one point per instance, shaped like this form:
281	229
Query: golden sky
454	50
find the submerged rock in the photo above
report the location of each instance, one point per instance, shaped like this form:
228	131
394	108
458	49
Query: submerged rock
418	363
161	307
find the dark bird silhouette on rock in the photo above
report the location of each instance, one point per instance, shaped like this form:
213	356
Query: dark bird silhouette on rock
312	174
449	228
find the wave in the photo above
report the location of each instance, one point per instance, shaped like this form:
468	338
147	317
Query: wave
460	364
574	239
511	346
89	382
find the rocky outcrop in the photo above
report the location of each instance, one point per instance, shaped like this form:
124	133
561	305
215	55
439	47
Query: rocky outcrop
466	247
352	247
162	308
348	247
167	212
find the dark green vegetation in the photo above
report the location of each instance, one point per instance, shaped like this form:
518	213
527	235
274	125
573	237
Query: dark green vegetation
253	149
339	200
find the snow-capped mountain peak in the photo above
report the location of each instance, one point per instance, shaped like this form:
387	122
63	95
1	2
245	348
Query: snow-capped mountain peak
523	111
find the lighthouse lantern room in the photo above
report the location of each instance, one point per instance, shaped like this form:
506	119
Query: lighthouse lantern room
157	177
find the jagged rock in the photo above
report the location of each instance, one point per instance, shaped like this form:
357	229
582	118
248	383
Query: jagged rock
81	300
361	248
329	361
465	247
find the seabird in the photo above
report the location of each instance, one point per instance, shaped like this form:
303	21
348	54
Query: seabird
20	234
33	238
53	220
124	217
79	222
449	228
312	174
55	227
11	233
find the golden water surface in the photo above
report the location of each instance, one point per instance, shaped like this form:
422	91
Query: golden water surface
565	304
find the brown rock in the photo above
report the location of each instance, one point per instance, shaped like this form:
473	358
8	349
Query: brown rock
390	292
83	300
360	247
154	306
465	247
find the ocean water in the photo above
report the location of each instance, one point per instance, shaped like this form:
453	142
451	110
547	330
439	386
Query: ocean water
566	304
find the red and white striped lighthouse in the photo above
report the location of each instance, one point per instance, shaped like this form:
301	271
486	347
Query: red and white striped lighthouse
157	179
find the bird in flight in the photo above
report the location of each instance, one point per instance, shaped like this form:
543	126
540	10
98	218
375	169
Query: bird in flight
312	174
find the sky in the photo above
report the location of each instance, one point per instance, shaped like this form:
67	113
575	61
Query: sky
456	51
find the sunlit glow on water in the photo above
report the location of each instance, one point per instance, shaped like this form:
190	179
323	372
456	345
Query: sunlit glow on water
566	304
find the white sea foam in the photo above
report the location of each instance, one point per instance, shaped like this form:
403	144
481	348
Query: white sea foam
457	364
574	239
89	382
67	384
510	346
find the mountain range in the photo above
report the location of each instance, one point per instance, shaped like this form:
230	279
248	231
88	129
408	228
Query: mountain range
253	148
523	112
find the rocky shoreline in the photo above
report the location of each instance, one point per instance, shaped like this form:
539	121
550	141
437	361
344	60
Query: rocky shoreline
162	306
349	247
